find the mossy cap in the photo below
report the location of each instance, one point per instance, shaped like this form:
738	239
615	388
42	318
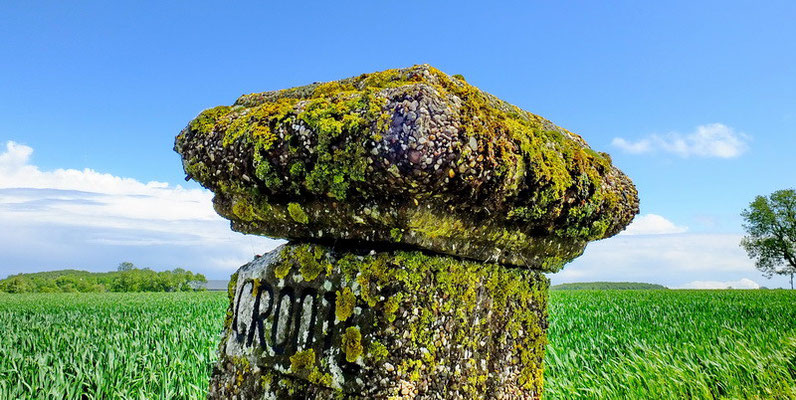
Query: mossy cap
409	157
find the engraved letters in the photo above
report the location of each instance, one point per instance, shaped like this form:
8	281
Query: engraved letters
286	319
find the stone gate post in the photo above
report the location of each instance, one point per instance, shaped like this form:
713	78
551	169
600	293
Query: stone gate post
421	214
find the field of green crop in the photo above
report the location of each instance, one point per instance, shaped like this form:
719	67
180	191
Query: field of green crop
108	345
672	345
603	344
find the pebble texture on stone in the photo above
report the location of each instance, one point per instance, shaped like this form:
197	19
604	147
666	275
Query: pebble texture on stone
409	157
308	321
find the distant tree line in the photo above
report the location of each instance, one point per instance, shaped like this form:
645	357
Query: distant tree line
127	278
608	286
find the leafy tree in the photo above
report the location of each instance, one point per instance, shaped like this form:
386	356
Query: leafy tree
770	224
125	266
16	284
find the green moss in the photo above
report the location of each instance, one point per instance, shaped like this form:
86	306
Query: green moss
264	171
256	283
396	234
311	262
282	269
297	169
207	119
231	288
266	379
377	351
198	170
344	304
243	209
257	124
315	376
391	306
243	369
336	120
297	213
352	344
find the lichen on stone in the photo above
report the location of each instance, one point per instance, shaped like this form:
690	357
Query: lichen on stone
419	318
352	344
297	213
302	360
344	303
359	159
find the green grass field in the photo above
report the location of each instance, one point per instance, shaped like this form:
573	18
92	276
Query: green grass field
672	345
603	344
108	345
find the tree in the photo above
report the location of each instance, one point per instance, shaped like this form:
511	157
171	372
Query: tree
196	281
770	224
16	284
125	266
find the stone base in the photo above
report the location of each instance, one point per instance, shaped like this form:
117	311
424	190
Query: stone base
313	322
241	382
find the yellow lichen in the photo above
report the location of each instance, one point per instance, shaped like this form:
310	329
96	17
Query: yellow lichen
344	304
297	213
302	360
352	344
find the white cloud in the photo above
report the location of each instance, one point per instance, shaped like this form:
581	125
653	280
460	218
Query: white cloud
673	260
90	219
694	253
638	147
711	140
653	224
743	283
15	156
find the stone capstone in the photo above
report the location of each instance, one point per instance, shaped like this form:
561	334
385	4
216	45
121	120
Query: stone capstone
308	321
407	157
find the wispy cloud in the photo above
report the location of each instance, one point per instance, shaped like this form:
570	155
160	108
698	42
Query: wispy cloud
94	220
711	140
743	283
653	224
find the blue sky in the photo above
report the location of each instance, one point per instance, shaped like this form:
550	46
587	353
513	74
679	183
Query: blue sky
696	101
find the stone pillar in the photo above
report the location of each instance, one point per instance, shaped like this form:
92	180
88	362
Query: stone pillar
308	321
423	213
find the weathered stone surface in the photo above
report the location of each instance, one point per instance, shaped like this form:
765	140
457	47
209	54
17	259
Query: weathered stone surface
411	157
312	322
